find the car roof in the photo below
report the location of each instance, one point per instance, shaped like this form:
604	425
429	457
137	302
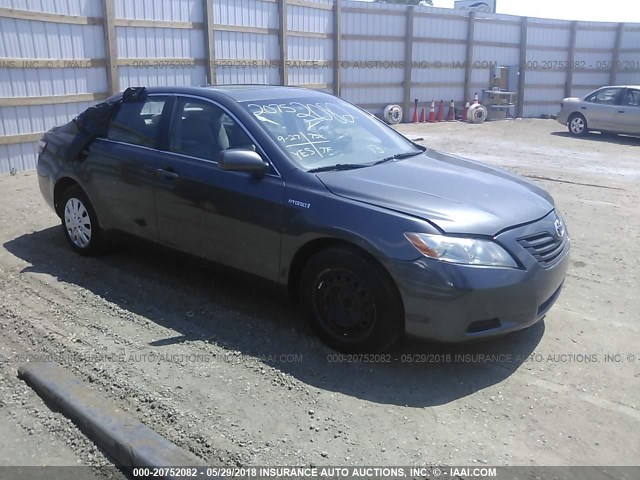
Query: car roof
242	93
620	86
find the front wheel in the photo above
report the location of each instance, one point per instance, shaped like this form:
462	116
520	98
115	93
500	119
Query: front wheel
352	303
577	125
80	223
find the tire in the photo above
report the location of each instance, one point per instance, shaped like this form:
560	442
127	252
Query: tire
80	223
577	125
477	113
392	114
352	303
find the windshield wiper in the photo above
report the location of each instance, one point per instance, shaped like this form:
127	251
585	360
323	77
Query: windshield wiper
397	156
336	167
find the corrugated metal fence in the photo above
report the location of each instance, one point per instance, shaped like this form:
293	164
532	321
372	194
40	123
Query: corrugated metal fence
58	57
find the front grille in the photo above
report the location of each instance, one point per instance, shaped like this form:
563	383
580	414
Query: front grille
546	248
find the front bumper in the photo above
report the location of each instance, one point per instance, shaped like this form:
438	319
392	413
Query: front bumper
563	116
453	303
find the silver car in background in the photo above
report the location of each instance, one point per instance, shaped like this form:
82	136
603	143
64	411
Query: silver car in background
611	109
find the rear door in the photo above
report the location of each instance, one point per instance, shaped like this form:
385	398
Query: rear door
627	115
599	108
233	218
121	167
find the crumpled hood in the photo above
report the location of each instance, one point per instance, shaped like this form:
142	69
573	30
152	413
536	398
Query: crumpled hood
455	194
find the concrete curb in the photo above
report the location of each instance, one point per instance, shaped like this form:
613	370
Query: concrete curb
128	441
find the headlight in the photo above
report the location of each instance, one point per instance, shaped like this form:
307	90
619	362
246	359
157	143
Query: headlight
469	251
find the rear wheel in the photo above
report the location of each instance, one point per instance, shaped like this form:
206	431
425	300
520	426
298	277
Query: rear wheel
577	125
80	223
352	303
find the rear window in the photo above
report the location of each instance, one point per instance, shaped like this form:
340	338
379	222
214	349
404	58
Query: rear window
137	123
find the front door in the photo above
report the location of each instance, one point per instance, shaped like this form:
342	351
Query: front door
600	107
627	115
233	218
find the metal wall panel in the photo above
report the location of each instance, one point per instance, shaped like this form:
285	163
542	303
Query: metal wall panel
590	80
306	19
590	38
168	10
487	31
374	95
136	42
305	48
628	78
18	158
548	37
372	28
629	71
37	118
631	37
547	77
40	82
87	8
244	75
248	46
502	56
437	27
372	24
310	49
33	39
249	13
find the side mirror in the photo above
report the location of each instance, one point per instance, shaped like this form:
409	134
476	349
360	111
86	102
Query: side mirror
241	160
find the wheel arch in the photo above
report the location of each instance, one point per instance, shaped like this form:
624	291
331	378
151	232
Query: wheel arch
61	186
312	247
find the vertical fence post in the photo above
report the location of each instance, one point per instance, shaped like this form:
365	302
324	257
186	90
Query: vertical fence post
209	41
523	67
111	46
337	31
613	73
471	19
282	39
572	59
408	63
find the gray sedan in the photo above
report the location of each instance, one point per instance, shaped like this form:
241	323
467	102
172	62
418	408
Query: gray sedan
612	109
375	235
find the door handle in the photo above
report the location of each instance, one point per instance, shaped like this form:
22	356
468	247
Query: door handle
168	172
583	108
620	111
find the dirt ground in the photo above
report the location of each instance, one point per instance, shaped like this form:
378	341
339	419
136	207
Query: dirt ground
222	365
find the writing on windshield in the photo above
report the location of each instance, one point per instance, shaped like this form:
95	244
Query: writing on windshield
317	134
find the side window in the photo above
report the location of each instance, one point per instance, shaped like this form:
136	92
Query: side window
606	96
201	129
632	98
137	123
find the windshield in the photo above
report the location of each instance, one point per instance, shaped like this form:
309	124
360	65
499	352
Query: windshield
320	132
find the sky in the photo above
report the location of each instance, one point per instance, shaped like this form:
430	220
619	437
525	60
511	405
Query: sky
586	10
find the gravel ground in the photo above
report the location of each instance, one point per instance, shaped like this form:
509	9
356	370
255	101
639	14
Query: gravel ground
222	365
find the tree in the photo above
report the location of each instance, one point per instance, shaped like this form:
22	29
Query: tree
407	2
